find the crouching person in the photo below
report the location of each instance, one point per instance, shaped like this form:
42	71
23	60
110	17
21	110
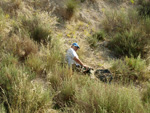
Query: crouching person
72	58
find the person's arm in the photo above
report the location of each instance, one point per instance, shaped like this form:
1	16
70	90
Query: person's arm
79	62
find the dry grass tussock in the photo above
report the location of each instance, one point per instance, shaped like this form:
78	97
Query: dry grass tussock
17	89
22	47
84	95
127	29
10	5
131	69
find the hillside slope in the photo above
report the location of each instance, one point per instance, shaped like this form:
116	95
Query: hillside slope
34	37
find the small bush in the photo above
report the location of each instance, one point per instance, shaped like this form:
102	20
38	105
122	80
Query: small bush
116	1
146	26
130	69
40	32
100	98
82	1
128	43
93	1
146	94
66	96
4	23
58	75
116	21
2	109
71	8
17	90
52	53
144	9
20	47
95	38
35	63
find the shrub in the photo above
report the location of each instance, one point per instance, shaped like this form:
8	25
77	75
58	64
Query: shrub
71	8
130	69
43	5
146	26
4	23
38	30
52	53
40	34
116	1
100	98
144	9
88	0
83	1
146	94
146	97
2	109
128	43
95	38
17	90
119	21
35	63
58	75
66	96
22	47
11	6
116	21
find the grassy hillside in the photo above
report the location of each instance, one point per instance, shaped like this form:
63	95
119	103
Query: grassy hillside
34	36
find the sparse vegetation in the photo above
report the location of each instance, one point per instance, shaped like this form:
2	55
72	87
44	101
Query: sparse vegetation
71	8
129	35
116	21
18	90
37	31
96	37
146	94
108	99
144	9
131	69
129	43
33	74
93	1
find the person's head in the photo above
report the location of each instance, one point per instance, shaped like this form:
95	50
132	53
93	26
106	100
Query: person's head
75	46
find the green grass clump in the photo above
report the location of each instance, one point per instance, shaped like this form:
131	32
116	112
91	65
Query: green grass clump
116	21
129	33
53	53
2	109
128	43
96	37
146	26
71	7
100	98
146	94
93	1
116	1
144	9
146	97
21	47
19	93
40	34
38	31
35	63
66	97
4	22
131	69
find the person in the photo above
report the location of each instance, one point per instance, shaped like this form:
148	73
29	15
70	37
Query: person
72	57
